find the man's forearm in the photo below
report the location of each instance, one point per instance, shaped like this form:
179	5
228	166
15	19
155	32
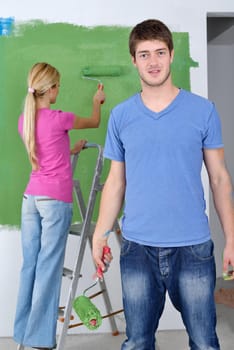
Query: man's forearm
224	204
110	206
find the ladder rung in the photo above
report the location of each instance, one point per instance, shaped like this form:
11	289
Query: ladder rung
99	187
75	229
61	311
67	273
61	314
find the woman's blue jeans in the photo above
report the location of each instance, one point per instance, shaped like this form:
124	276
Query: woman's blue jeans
187	273
44	228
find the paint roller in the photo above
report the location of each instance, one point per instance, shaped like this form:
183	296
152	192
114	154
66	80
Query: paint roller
229	274
93	72
85	309
100	84
87	312
102	71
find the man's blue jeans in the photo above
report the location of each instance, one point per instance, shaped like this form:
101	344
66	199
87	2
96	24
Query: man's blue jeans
187	273
44	228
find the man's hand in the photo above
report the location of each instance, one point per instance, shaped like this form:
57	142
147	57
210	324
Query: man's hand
102	256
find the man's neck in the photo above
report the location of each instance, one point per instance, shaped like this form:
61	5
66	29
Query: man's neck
158	98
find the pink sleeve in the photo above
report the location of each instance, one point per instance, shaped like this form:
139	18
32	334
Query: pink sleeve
66	120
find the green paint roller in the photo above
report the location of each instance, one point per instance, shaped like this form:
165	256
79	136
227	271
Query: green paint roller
85	309
229	274
87	312
102	71
92	72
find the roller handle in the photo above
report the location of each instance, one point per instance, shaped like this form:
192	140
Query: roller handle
101	87
99	271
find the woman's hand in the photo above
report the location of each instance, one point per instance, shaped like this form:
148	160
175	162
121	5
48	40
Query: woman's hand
78	146
99	96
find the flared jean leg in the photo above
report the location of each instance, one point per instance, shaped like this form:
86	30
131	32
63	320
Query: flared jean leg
38	328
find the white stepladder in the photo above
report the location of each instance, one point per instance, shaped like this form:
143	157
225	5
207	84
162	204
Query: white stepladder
84	231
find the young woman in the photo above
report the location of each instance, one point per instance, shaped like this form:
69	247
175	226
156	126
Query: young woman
47	204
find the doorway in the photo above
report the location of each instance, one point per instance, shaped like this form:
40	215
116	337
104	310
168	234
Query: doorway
220	61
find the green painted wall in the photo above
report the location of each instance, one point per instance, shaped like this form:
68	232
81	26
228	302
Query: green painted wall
70	48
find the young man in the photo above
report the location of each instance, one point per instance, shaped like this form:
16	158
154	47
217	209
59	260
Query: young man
157	141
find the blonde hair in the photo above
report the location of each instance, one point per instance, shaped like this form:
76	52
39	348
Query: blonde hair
41	78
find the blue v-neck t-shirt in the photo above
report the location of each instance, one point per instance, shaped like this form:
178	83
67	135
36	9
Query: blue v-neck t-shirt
163	154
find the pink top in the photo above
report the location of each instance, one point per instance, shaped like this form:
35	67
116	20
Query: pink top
54	177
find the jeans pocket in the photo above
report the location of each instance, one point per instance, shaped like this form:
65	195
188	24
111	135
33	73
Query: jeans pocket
203	251
125	246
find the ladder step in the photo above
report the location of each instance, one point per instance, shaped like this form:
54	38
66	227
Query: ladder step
99	187
61	314
68	273
75	229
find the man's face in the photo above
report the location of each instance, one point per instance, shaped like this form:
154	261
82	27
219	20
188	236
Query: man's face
153	60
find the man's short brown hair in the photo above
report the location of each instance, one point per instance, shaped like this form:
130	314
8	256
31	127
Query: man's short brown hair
151	29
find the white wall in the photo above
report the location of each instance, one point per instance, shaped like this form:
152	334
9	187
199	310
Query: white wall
221	87
180	15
